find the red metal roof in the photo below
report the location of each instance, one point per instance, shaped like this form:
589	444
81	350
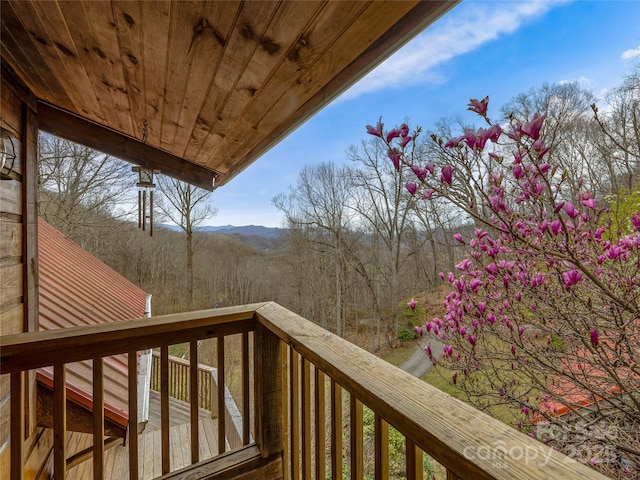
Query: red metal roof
75	288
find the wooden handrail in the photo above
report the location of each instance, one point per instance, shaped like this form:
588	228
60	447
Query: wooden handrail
452	432
28	351
285	347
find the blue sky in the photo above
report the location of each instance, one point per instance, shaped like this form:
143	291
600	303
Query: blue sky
495	48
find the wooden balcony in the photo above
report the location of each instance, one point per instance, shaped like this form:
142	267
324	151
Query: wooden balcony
301	389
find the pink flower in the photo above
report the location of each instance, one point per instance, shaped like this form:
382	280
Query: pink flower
472	339
513	349
394	155
532	128
447	174
556	227
428	350
479	106
589	203
464	265
405	141
394	133
377	131
571	277
635	219
430	167
458	237
454	142
518	171
404	130
475	284
428	194
594	337
412	304
411	188
421	173
571	210
418	330
544	167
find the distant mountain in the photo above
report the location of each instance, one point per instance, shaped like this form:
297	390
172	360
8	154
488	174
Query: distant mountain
243	231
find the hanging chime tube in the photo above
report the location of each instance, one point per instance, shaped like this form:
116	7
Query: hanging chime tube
151	213
144	210
139	208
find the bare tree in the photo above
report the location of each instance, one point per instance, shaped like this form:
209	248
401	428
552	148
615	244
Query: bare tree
384	210
186	206
79	187
319	207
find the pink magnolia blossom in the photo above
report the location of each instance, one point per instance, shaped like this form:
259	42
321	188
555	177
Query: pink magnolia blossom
589	202
458	237
447	174
411	188
479	106
412	304
571	277
532	128
404	130
571	210
594	337
556	227
394	133
427	194
394	155
377	130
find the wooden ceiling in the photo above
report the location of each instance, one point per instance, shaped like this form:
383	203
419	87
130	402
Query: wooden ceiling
217	82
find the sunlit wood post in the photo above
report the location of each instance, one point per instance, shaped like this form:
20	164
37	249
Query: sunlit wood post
269	388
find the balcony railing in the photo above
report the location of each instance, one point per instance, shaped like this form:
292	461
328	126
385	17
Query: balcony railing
299	378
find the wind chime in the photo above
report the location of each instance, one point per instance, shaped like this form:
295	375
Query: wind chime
145	183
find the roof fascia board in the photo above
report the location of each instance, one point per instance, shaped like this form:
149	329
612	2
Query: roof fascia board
67	125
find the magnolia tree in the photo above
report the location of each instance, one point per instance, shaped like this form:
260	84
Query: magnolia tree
543	313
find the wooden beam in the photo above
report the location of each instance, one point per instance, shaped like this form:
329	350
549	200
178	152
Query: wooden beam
93	135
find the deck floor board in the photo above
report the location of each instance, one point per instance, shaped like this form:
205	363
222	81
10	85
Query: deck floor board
116	462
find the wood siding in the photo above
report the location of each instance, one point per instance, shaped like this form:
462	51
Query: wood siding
18	235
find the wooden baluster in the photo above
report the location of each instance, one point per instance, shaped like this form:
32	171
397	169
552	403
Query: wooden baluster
17	425
164	409
415	470
59	422
320	424
98	419
246	433
194	400
306	420
336	430
295	413
381	448
451	475
357	439
132	361
222	418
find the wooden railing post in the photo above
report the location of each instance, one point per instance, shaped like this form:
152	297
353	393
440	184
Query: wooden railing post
269	385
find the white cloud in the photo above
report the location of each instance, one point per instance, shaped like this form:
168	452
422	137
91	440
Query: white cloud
467	27
583	81
631	54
